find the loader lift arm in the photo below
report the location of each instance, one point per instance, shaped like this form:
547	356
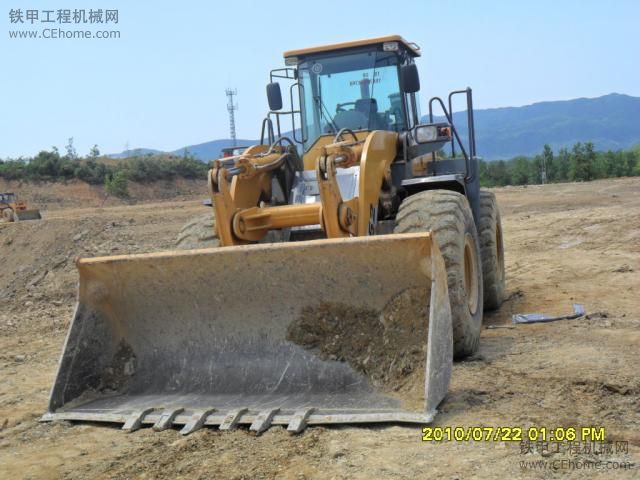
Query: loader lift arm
238	184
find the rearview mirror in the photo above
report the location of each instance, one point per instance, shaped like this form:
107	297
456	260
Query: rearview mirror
409	79
274	96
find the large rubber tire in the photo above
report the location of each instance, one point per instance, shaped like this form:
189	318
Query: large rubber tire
491	251
199	232
448	216
8	215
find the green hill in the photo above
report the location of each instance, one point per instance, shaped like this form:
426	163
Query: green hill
611	122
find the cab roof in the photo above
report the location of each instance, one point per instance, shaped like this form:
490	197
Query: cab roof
412	48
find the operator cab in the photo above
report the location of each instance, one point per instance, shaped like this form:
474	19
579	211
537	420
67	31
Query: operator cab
357	90
7	197
359	86
342	92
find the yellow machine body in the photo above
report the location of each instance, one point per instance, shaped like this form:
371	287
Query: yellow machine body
258	333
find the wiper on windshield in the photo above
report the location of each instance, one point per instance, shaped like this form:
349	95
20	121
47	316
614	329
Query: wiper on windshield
322	106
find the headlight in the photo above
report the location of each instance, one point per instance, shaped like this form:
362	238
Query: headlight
426	133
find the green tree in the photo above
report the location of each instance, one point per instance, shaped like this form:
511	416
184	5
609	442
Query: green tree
91	171
581	168
520	170
549	164
117	184
13	169
609	163
485	177
563	165
45	165
500	173
535	170
71	150
94	152
636	167
629	162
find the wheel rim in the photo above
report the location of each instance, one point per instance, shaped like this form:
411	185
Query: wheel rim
499	251
470	274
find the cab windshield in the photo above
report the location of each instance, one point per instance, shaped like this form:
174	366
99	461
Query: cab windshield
359	91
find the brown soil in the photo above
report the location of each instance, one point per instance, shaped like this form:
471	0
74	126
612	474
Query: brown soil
388	346
75	193
564	243
122	366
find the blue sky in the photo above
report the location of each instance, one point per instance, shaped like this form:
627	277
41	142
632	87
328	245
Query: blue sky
161	85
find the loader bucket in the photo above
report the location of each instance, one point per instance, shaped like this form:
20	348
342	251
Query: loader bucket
327	331
21	215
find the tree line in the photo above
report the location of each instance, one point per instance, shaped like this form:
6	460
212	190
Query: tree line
581	163
114	174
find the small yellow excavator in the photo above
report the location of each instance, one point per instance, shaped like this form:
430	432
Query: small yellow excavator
342	268
12	210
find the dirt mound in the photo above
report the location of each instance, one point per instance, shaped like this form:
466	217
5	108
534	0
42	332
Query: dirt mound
38	258
388	346
117	375
76	193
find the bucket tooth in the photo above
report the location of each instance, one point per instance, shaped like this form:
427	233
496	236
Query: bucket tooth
134	422
263	421
232	419
166	419
299	420
196	421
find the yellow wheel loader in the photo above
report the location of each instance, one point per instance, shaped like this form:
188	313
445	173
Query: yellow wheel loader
12	210
342	268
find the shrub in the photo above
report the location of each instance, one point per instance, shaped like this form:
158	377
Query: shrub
117	184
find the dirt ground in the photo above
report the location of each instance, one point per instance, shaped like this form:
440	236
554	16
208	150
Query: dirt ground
75	193
564	243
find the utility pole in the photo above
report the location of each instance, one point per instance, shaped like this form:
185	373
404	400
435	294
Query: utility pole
231	108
